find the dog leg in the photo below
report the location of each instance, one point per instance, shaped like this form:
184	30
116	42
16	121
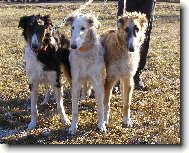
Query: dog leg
47	95
127	90
34	112
60	106
75	99
122	83
107	96
99	93
84	92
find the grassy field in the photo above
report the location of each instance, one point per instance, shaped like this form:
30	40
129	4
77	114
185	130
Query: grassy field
155	112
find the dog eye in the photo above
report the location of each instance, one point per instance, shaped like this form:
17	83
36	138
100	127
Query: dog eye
127	29
136	28
82	28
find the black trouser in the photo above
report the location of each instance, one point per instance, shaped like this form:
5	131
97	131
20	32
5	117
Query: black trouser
143	6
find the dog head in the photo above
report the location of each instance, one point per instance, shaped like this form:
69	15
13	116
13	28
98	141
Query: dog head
81	29
132	28
35	30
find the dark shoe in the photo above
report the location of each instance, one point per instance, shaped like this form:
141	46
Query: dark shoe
139	85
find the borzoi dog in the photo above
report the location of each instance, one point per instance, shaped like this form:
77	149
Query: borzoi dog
43	56
122	54
87	64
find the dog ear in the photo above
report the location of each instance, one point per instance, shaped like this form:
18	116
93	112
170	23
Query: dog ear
47	21
69	20
143	21
93	21
120	23
23	22
90	36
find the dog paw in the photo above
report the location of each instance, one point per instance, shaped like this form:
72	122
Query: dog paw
72	130
66	121
31	126
102	128
128	123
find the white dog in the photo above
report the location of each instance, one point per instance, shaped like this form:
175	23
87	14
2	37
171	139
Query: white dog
87	64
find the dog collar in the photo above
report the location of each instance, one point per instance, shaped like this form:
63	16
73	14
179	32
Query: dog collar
86	47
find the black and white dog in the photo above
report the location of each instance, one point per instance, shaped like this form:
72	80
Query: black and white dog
44	55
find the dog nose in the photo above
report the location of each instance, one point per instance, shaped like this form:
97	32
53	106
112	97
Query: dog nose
73	46
131	49
35	47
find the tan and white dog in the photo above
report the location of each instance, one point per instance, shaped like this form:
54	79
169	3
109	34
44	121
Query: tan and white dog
122	55
87	64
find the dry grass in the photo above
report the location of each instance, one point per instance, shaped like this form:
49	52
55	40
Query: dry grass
156	112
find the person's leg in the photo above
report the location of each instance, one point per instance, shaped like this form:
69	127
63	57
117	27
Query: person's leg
121	7
148	9
143	58
132	5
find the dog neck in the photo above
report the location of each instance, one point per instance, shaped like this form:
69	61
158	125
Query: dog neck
88	44
86	47
120	40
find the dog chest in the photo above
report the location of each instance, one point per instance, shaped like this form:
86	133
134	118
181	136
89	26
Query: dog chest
125	66
86	65
35	69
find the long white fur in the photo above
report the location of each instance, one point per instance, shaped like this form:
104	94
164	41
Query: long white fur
86	67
